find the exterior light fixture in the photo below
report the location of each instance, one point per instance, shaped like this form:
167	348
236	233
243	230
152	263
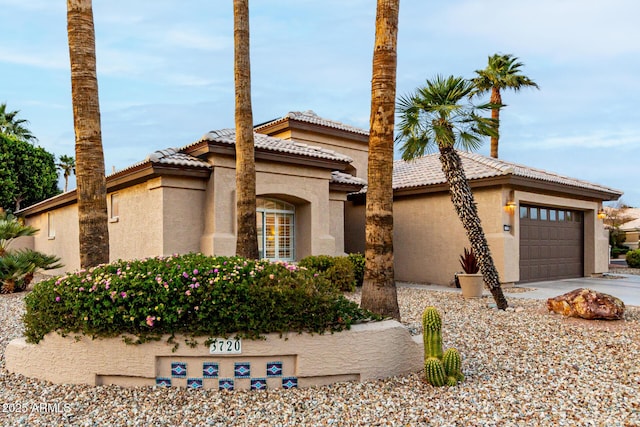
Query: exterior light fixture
510	207
601	214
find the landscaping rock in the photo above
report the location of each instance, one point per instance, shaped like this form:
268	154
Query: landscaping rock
587	304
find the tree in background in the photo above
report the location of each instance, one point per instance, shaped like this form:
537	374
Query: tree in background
27	174
435	115
90	176
379	292
247	238
10	125
67	166
502	72
17	267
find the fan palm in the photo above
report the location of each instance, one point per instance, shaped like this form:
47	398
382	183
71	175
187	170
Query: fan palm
435	115
10	125
502	72
247	238
91	182
67	165
379	293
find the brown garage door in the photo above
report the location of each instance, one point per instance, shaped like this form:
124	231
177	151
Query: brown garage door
551	243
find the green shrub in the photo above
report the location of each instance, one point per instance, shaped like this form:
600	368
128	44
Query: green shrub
358	262
190	294
616	251
337	270
633	258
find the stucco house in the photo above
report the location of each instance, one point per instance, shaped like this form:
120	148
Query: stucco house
310	183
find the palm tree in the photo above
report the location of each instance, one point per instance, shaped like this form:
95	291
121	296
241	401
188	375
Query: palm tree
379	289
10	125
67	165
91	182
434	114
247	239
502	72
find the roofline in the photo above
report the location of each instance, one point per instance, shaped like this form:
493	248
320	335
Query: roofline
123	179
203	147
516	182
285	123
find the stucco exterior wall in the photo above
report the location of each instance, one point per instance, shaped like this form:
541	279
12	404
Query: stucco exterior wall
336	216
60	239
136	232
429	238
357	150
305	187
365	352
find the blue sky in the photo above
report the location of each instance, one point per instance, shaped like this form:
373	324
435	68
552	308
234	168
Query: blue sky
165	71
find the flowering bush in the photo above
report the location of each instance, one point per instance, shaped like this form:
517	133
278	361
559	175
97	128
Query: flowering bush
190	294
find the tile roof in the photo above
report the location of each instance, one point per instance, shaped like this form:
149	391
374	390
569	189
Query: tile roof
310	116
269	143
426	171
345	178
168	156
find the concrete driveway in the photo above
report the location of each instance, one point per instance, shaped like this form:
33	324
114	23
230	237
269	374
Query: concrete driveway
624	286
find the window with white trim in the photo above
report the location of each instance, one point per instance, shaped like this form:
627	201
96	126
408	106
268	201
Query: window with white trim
275	223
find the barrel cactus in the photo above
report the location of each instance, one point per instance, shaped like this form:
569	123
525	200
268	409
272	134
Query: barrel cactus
439	368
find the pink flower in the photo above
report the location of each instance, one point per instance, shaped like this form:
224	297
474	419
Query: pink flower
271	276
57	299
123	294
188	292
195	271
150	320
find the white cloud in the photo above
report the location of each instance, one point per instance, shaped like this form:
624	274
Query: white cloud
600	139
47	59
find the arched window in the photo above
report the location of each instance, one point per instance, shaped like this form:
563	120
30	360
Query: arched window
275	223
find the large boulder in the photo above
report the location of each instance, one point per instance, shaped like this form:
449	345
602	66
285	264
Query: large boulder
587	304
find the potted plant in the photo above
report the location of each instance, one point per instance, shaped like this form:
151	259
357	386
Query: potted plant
471	282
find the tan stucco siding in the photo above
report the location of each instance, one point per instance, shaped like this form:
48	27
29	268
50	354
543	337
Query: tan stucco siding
337	207
137	230
305	187
61	239
357	150
429	238
183	203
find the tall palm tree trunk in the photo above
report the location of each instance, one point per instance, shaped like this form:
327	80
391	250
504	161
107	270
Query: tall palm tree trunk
247	239
379	288
91	182
496	99
465	206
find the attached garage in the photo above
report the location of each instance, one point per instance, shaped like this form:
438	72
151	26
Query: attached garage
551	243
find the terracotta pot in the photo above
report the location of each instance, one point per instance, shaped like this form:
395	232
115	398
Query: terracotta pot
471	284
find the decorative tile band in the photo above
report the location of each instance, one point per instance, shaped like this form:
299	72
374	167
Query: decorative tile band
242	370
289	382
210	370
194	382
163	382
274	369
178	369
225	384
258	383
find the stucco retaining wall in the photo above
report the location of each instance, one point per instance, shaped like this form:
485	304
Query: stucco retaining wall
367	351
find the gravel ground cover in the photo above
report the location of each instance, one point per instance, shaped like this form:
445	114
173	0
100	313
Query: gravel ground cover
523	367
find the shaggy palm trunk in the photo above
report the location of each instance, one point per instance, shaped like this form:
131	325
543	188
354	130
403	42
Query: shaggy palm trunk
91	182
247	239
496	99
465	206
379	288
